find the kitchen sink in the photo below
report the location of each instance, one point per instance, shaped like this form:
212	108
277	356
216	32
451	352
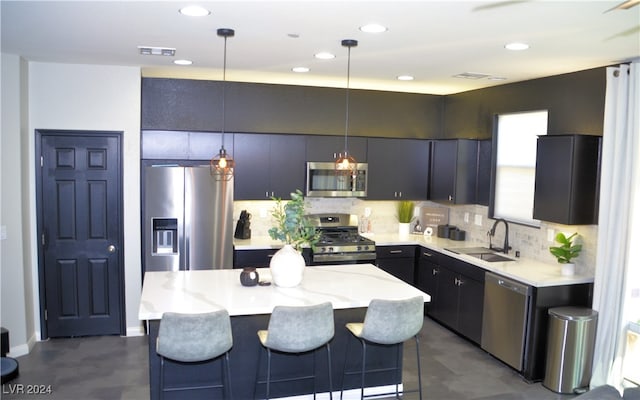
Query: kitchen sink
482	253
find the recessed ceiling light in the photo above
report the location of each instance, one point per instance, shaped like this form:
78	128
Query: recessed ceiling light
516	46
183	62
194	11
373	28
300	69
405	78
324	55
497	78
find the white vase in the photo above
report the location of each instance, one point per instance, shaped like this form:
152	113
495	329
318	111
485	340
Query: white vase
404	228
287	267
568	269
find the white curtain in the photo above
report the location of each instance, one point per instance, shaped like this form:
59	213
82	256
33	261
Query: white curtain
619	196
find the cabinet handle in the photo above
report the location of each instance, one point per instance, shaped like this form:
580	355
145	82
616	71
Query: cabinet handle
424	253
269	255
460	282
400	194
450	198
435	271
395	251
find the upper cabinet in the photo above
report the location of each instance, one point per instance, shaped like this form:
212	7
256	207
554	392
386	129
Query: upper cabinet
398	169
567	179
177	145
454	171
328	148
268	165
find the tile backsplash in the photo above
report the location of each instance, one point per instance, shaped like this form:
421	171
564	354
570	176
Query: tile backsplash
531	242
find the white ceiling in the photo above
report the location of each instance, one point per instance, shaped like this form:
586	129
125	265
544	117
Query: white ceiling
431	40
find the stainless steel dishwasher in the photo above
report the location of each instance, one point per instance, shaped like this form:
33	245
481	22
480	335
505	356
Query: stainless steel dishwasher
504	319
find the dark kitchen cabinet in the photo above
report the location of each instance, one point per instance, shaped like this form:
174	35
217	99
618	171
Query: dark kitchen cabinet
459	297
178	145
268	165
328	148
399	261
454	171
259	258
567	179
398	169
483	185
427	275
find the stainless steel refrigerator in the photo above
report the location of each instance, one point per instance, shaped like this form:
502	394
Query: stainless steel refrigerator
188	219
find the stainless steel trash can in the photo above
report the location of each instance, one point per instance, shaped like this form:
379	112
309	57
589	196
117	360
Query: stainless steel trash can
572	334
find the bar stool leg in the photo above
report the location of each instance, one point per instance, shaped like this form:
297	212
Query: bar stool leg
330	371
364	363
268	373
419	371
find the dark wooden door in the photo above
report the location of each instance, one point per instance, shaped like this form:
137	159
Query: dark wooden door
81	233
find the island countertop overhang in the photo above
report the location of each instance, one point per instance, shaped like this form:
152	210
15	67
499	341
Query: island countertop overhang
345	286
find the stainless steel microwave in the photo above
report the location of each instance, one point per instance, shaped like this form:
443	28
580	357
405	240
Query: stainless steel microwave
323	181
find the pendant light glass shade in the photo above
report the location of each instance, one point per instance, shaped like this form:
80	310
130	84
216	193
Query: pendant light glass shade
222	165
346	164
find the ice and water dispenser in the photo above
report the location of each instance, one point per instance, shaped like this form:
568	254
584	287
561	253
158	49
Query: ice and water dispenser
165	236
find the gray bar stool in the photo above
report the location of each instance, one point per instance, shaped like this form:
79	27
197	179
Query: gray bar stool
297	330
191	338
388	322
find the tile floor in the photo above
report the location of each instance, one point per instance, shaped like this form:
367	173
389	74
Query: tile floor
111	368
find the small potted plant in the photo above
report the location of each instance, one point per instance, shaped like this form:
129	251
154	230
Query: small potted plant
295	231
566	252
405	210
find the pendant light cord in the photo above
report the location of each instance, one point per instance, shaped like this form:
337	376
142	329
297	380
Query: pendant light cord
224	87
346	124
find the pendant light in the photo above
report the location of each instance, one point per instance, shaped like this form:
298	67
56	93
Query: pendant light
345	163
221	166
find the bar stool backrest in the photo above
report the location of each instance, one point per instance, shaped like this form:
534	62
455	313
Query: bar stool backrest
299	329
393	321
194	337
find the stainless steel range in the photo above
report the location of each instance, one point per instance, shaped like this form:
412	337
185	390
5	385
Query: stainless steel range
340	242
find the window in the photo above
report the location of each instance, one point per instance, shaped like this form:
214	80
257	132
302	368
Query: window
515	141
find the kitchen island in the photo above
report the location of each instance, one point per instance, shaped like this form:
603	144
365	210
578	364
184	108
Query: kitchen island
349	288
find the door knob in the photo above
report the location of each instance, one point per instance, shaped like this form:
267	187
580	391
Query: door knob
111	248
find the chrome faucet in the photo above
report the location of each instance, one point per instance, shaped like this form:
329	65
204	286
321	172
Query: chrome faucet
505	247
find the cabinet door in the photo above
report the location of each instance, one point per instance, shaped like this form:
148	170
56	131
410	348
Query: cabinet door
443	170
327	148
268	165
427	274
446	309
470	305
251	174
399	261
398	169
567	179
454	170
287	166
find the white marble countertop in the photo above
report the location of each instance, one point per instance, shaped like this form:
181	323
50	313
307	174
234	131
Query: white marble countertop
345	286
528	271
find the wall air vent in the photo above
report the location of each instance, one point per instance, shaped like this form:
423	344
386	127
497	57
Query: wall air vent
156	51
471	75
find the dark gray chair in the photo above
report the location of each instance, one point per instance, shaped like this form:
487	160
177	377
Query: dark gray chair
192	338
297	330
388	322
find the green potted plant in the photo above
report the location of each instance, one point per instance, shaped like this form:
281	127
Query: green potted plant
566	252
405	216
295	231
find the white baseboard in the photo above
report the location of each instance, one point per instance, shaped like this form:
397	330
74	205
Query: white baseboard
136	330
22	349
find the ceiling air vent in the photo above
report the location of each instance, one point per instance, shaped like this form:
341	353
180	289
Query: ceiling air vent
471	75
156	51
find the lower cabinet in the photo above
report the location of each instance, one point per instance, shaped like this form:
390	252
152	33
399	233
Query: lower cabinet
253	258
457	292
399	261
